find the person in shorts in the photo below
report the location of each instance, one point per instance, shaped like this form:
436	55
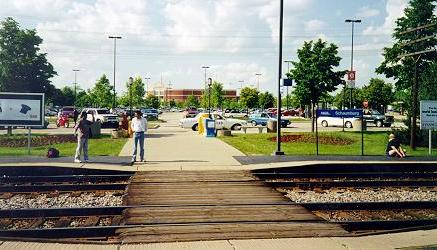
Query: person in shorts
394	148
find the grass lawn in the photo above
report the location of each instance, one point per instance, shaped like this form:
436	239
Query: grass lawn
97	146
374	144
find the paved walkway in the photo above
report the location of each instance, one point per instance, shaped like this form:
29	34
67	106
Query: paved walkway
411	240
170	146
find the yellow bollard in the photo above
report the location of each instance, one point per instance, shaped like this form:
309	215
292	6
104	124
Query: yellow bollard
201	124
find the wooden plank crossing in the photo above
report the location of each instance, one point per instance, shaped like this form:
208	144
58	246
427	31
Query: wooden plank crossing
213	205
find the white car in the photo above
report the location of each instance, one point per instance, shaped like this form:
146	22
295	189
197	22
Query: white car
235	114
104	116
336	121
220	122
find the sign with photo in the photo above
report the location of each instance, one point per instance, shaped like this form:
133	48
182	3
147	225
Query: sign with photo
22	109
428	115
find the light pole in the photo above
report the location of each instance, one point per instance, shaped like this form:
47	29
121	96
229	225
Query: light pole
147	85
258	76
205	68
115	52
352	21
209	96
75	84
131	80
278	124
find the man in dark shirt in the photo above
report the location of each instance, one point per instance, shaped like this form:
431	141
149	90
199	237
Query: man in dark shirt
394	148
83	127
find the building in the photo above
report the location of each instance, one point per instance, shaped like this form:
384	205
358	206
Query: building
181	95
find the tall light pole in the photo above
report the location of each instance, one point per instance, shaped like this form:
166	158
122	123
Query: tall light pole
278	124
352	21
147	84
258	76
205	68
115	52
131	81
288	72
75	84
209	96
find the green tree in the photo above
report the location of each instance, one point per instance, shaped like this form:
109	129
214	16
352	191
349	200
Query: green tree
67	96
192	102
266	100
401	69
172	103
344	96
152	101
249	97
378	93
83	99
314	74
23	68
136	91
101	94
428	90
217	95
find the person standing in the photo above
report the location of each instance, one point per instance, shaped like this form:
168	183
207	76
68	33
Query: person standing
75	116
83	127
139	127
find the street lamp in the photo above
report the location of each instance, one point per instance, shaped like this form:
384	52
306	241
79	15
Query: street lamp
75	84
257	76
352	21
205	68
278	127
131	81
209	96
115	51
147	85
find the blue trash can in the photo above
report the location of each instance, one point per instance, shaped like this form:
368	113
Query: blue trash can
209	127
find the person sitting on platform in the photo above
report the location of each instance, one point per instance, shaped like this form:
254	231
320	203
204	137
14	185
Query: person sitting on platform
394	148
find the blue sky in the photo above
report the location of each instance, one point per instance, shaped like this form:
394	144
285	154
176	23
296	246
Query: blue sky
175	38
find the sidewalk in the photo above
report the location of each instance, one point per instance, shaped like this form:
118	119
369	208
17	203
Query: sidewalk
411	240
171	146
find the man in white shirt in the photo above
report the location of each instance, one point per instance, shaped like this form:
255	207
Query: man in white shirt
139	127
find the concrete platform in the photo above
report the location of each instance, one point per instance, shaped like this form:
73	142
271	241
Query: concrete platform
410	240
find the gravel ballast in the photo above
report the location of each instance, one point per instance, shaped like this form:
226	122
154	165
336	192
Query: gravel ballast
61	201
362	195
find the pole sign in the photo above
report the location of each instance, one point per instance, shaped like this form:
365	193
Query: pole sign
351	75
22	109
286	82
428	115
347	113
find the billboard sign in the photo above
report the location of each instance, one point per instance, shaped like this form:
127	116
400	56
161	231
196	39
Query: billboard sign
347	113
428	115
22	109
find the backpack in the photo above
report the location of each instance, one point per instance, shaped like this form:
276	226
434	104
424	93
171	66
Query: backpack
52	153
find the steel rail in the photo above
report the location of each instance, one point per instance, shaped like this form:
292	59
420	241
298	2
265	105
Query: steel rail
370	205
64	178
59	212
267	176
61	188
353	183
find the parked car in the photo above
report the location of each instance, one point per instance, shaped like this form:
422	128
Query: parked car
378	119
220	122
336	121
150	113
103	116
190	112
68	111
234	113
263	117
51	112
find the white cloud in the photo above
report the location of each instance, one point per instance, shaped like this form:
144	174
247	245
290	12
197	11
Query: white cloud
394	10
366	12
315	25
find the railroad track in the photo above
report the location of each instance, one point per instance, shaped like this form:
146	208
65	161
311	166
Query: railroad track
319	187
61	203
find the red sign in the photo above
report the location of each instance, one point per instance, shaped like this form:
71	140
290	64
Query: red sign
351	75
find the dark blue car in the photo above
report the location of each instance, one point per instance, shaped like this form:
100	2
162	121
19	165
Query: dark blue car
263	118
150	113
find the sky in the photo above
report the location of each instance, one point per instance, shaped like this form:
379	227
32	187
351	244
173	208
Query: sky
172	39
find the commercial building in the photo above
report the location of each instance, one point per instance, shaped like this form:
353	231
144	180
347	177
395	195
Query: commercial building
181	95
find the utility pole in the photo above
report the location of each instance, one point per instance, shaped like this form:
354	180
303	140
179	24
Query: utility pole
352	52
75	84
278	128
417	57
258	76
288	72
205	68
147	85
115	52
